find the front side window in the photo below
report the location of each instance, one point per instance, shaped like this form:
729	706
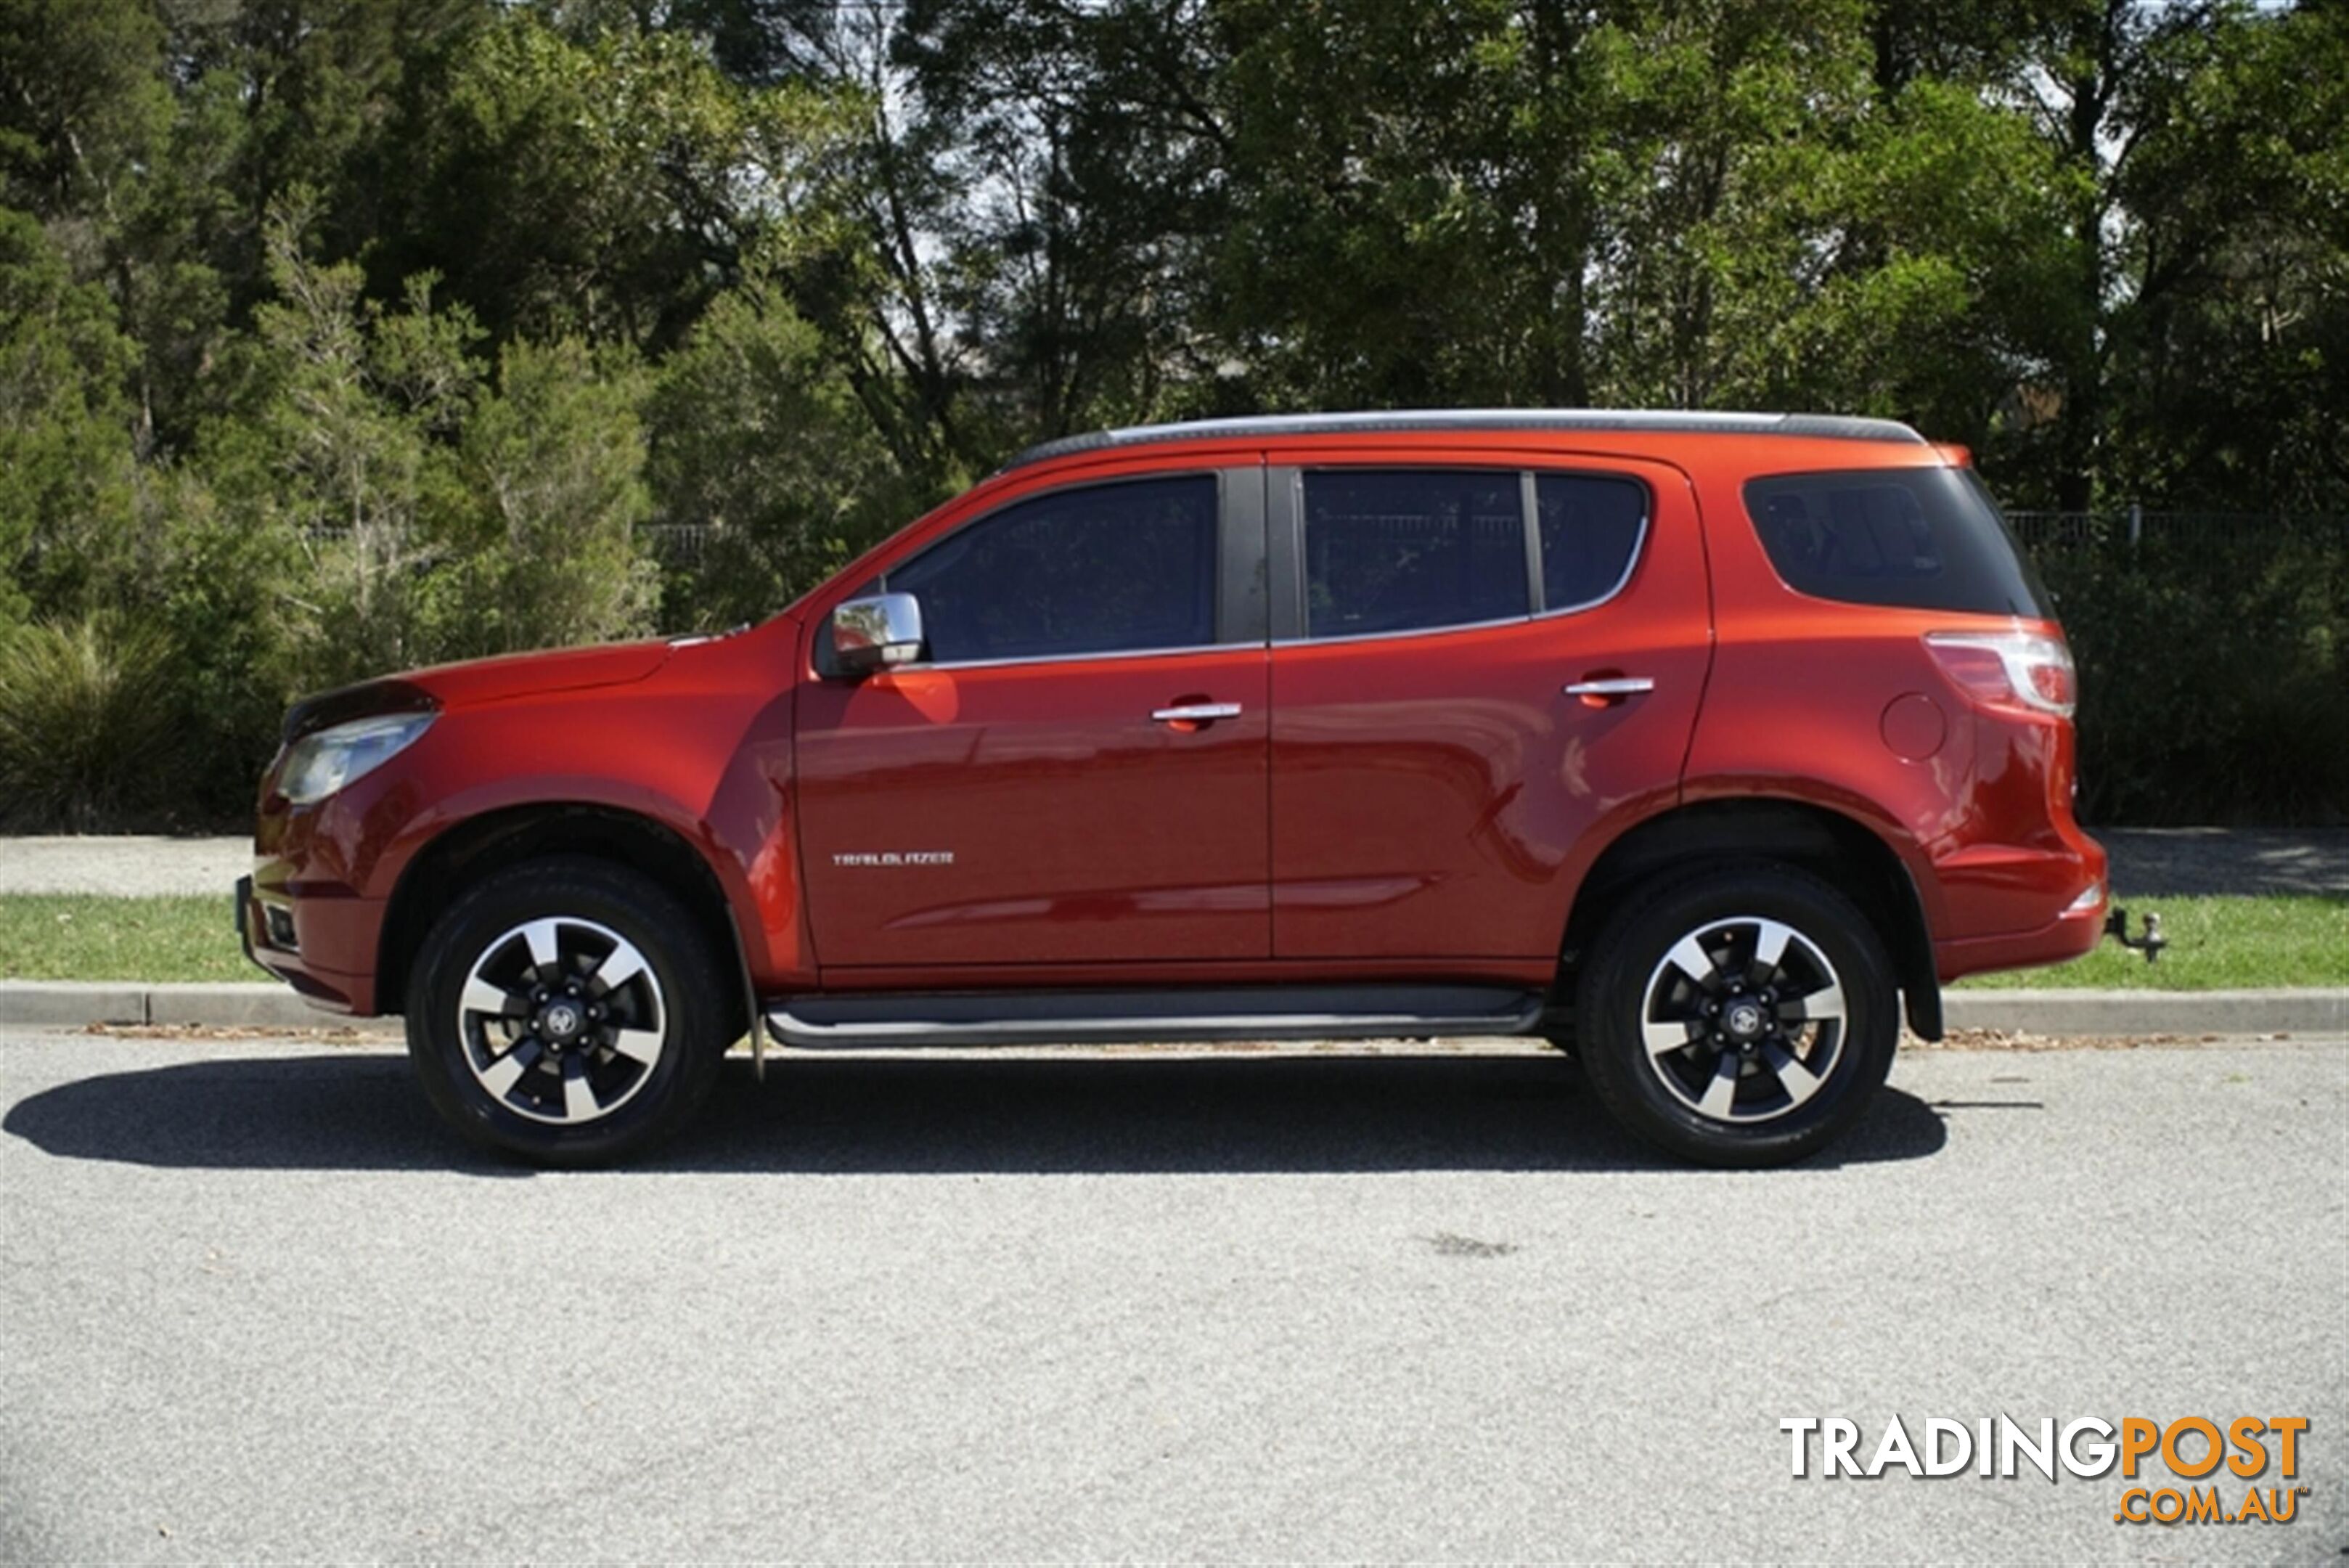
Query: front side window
1404	550
1110	568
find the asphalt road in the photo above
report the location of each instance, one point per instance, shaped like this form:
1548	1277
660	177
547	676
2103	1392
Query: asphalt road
254	1305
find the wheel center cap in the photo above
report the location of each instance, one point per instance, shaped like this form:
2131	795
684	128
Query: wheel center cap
1743	1019
561	1020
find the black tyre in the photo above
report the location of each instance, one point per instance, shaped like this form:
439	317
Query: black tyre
567	1010
1740	1017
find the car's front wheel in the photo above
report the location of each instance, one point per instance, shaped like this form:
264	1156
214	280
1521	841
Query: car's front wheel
1743	1017
566	1011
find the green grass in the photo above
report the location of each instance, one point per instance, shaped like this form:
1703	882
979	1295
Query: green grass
73	936
2215	944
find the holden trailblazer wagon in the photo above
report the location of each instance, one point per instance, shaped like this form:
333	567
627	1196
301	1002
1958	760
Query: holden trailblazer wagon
1707	746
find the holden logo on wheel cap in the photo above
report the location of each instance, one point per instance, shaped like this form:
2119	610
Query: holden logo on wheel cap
1744	1018
563	1019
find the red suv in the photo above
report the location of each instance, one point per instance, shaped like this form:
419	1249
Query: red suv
1704	745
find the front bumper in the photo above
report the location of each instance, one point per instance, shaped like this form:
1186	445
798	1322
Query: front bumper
310	939
245	911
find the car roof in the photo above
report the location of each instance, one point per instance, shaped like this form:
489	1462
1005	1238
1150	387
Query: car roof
1405	422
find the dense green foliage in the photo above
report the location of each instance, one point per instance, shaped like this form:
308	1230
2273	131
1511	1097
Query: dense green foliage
2214	668
343	335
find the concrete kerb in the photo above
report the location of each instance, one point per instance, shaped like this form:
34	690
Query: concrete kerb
2320	1015
225	1004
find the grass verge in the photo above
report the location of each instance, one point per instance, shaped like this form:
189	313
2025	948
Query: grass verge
74	936
2215	944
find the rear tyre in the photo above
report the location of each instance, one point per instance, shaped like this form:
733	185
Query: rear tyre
1740	1017
567	1010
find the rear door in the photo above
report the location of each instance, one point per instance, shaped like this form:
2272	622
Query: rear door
1476	671
1075	771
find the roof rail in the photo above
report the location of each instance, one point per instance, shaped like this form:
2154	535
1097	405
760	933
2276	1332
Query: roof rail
1404	422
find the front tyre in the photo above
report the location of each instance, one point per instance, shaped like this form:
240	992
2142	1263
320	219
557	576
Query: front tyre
566	1011
1738	1018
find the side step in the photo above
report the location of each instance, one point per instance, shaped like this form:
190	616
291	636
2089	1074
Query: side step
1109	1017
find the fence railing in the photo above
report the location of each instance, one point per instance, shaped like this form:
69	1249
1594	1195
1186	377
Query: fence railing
677	544
672	543
2137	527
682	546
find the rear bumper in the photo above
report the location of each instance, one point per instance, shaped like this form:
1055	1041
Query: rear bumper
2060	940
2039	899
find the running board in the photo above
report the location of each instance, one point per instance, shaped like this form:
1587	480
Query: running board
1112	1017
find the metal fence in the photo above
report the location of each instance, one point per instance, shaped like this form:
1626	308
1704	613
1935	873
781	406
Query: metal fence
2136	528
683	546
680	545
674	544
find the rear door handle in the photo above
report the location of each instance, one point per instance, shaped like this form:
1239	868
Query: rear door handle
1196	712
1613	686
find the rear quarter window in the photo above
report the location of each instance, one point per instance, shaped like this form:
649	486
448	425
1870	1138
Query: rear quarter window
1590	529
1910	538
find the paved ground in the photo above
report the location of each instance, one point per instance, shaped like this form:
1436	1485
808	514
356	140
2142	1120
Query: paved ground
2147	862
130	865
257	1306
2181	862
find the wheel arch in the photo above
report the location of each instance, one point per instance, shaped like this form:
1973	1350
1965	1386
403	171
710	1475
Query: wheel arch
1840	849
493	840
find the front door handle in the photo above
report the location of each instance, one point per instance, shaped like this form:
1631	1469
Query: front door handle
1612	686
1196	712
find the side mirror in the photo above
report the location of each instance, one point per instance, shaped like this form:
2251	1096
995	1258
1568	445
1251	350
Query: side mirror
873	633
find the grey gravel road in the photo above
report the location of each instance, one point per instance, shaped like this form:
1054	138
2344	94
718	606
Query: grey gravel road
2147	862
254	1306
123	864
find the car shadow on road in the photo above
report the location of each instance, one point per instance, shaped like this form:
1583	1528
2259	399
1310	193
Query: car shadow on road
962	1116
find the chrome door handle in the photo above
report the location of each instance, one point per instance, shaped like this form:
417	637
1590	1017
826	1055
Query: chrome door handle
1196	712
1615	686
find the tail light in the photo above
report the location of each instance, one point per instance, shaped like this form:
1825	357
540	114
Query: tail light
2009	669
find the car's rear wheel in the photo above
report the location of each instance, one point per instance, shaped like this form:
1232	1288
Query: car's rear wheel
566	1011
1741	1017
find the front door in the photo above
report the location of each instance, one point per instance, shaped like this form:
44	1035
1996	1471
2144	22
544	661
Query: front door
1075	769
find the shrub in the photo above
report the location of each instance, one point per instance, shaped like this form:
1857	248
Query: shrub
2214	674
86	726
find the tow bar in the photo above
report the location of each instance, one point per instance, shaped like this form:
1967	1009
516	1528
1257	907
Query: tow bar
2151	944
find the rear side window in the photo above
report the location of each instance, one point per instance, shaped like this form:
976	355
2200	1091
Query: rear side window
1111	569
1590	529
1402	550
1914	538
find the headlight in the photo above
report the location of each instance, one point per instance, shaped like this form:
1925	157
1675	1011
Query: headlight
324	761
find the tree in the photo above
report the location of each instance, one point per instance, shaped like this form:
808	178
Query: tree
2231	358
759	440
550	491
1086	160
66	479
343	450
628	177
82	101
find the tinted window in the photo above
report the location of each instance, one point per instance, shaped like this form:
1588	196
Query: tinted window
1109	569
1394	551
1589	529
1920	538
